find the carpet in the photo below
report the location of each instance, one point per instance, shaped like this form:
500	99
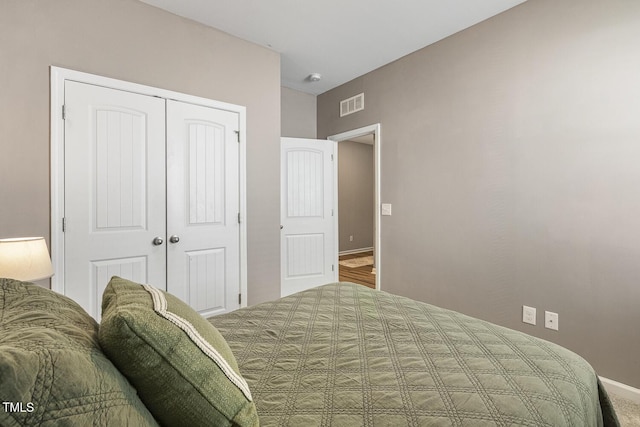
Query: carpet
357	262
628	412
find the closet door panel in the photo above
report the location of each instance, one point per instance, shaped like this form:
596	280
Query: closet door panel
115	204
203	258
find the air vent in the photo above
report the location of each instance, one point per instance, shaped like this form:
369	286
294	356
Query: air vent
351	105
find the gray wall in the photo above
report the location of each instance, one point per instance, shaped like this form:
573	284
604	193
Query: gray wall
298	114
129	40
510	153
355	195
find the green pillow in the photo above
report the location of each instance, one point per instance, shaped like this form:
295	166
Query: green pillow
180	364
52	370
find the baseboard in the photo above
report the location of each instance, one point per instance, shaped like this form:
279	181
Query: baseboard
355	251
621	390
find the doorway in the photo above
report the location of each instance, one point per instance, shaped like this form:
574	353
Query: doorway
355	252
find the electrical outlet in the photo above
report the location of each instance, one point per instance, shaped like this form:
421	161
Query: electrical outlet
351	238
529	315
551	320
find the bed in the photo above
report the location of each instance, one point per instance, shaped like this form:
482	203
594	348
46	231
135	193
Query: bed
345	355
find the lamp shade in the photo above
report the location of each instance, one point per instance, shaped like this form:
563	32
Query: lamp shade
25	258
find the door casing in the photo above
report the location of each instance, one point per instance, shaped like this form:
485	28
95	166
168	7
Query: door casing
58	76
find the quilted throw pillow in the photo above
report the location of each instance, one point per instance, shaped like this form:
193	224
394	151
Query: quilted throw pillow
180	364
52	371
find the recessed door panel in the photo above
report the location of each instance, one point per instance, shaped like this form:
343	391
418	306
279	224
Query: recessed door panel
102	271
206	279
305	183
119	174
206	172
305	255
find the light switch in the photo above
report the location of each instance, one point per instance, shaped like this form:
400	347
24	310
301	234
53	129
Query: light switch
386	209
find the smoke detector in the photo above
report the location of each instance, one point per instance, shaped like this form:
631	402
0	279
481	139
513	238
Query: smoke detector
314	77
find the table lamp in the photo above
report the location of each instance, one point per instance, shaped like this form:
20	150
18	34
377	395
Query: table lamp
25	258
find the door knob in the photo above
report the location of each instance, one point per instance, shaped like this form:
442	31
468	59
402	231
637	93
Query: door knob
174	239
158	241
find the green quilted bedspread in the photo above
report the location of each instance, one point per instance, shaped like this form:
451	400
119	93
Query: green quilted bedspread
345	355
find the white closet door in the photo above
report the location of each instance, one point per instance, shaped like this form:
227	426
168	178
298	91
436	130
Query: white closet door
115	205
203	260
308	248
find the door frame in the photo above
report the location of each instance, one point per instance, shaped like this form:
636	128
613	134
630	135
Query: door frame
58	76
377	140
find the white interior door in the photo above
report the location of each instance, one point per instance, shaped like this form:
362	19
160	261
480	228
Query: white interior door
114	207
203	229
309	253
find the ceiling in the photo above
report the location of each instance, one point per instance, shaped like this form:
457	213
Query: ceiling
339	39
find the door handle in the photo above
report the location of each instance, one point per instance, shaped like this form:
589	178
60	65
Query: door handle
174	239
158	241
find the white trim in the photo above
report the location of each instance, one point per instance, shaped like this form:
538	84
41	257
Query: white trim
57	179
355	251
160	307
58	78
244	291
344	136
621	390
336	231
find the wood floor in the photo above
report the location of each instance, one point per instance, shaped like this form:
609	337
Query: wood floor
359	275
